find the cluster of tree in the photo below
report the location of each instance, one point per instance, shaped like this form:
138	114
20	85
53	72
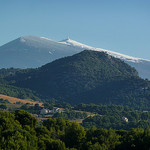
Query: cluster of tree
5	72
2	106
31	109
111	116
6	87
70	115
115	122
19	130
4	101
50	103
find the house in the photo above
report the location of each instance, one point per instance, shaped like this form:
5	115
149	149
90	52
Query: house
55	110
125	119
45	111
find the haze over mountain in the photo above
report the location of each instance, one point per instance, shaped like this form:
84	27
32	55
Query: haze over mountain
32	52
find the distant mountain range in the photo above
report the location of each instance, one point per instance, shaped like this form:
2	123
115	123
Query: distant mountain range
32	52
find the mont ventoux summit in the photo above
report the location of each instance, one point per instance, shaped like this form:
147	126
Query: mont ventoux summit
32	52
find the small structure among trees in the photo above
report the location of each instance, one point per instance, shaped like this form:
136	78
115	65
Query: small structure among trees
45	111
125	119
54	110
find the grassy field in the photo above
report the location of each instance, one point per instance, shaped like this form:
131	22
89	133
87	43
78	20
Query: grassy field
14	100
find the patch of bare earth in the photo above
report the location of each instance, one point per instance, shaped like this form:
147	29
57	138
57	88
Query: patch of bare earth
14	100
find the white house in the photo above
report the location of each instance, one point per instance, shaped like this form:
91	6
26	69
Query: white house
44	111
55	110
125	119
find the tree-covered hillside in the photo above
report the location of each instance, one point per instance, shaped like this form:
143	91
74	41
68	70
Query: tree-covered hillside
7	88
87	77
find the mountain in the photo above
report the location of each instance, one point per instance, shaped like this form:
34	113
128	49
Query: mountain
87	77
141	65
32	52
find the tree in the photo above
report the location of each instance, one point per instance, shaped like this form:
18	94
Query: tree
36	107
107	139
3	106
25	118
74	135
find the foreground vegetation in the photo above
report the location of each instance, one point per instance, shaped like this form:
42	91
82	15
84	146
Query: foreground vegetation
19	130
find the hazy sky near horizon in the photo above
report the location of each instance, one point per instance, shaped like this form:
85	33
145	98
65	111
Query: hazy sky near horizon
118	25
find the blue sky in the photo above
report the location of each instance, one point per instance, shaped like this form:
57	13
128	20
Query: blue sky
119	25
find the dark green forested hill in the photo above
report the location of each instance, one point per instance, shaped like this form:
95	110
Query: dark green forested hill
87	77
